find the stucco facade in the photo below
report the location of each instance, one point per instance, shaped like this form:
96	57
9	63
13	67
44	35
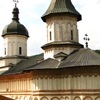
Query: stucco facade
15	50
74	75
52	85
13	44
50	52
61	29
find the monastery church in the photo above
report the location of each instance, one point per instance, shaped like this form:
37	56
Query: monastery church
65	71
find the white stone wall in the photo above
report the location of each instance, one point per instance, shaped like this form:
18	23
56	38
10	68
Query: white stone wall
60	28
49	53
12	44
2	63
16	85
53	88
66	83
54	97
6	62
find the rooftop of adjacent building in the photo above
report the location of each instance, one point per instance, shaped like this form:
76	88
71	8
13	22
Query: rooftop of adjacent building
5	98
78	58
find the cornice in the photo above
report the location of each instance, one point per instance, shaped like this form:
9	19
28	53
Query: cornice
83	92
54	73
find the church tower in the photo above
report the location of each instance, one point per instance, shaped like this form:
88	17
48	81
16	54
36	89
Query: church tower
15	37
62	34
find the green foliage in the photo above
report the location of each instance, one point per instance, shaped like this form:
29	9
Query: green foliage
35	55
98	51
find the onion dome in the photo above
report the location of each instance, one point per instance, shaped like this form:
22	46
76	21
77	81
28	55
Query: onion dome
61	7
15	27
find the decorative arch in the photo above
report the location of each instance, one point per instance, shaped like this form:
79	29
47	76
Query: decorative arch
77	98
55	98
97	98
22	98
61	98
13	48
57	31
75	25
74	28
44	98
35	98
13	97
68	35
68	25
17	97
26	98
66	98
31	98
88	98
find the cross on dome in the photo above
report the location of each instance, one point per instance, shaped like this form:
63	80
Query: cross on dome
86	39
15	1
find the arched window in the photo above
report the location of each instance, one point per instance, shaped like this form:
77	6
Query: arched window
20	50
5	51
71	34
50	36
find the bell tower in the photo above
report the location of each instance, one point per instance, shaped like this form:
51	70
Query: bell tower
15	37
62	34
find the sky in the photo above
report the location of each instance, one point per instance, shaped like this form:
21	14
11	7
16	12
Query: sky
30	16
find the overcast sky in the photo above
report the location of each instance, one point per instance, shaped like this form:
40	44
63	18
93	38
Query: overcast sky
30	16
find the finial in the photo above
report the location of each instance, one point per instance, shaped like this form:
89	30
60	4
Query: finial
87	39
15	11
15	1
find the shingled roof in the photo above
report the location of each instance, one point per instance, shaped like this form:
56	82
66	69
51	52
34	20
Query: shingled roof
81	57
19	67
61	7
46	64
78	58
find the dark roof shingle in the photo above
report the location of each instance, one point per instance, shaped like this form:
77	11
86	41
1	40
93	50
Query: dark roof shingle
78	58
18	68
61	7
46	64
81	57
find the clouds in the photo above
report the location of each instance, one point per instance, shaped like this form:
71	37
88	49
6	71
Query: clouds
90	21
30	15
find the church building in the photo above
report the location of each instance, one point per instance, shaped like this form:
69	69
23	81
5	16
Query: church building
65	71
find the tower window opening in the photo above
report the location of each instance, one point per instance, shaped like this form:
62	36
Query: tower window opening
71	34
5	51
20	50
50	36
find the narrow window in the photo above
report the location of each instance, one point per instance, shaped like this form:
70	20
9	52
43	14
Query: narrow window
50	36
5	51
20	50
71	34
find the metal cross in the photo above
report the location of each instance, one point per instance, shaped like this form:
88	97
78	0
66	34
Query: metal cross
15	1
86	39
